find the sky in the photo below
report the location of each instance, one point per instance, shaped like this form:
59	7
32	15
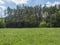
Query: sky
12	3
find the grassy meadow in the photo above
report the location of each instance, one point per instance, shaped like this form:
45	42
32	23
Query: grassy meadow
30	36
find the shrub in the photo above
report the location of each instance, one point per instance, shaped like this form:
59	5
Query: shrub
43	24
2	23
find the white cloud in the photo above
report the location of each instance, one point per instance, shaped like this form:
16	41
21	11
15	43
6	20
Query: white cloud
1	14
14	1
20	1
55	3
48	4
2	7
1	2
42	5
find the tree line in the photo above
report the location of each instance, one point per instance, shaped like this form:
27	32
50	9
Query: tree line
31	16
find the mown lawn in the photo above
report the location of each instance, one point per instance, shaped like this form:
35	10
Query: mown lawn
30	36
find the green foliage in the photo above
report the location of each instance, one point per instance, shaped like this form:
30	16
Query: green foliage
2	23
43	24
28	16
53	20
24	16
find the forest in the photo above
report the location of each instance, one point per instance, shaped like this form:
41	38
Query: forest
31	16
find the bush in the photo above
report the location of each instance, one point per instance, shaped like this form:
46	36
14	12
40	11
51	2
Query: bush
43	24
2	23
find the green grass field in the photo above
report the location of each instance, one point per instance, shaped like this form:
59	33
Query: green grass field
30	36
